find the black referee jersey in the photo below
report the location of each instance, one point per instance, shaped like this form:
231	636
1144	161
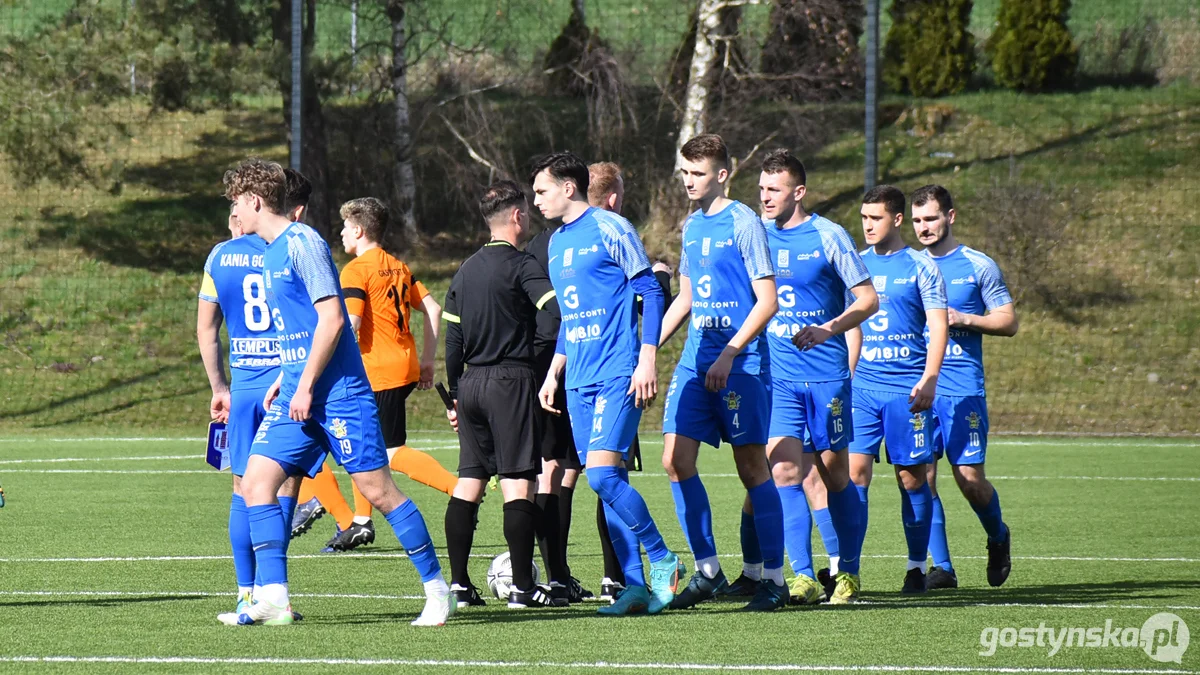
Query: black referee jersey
491	310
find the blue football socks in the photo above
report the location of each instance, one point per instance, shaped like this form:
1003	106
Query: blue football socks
939	546
695	517
629	506
768	523
409	526
916	513
844	507
990	517
797	529
828	534
240	542
269	537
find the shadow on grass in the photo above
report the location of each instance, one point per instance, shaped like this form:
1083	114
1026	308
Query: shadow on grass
168	234
100	602
1122	592
108	389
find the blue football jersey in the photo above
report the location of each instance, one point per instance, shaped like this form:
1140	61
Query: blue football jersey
815	265
974	285
723	254
233	278
893	349
592	260
299	271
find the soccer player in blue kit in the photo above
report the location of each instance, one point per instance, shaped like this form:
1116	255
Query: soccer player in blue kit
980	304
232	292
816	268
896	375
598	267
321	403
721	387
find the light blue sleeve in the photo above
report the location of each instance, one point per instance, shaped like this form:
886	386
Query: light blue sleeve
683	256
929	281
991	280
313	263
842	255
623	244
750	237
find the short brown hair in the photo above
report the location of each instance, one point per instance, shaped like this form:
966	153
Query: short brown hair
922	196
368	213
891	197
782	161
707	146
602	180
260	178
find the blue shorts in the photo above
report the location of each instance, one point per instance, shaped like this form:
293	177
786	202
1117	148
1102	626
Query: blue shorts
818	413
739	414
603	417
883	417
961	426
245	414
348	429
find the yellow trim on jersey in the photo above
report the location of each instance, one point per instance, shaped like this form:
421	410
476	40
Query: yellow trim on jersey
545	298
208	287
453	318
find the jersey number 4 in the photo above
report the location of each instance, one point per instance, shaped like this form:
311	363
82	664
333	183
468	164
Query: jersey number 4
258	317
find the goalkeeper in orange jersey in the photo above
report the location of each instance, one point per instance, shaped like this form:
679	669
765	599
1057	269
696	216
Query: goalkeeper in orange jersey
381	293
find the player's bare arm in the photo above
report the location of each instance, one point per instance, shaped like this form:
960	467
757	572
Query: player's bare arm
330	322
866	303
433	319
550	386
208	335
854	340
679	310
922	395
273	392
1001	321
765	305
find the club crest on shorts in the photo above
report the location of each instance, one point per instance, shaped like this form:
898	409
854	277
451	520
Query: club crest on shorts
918	422
338	428
974	419
835	407
732	400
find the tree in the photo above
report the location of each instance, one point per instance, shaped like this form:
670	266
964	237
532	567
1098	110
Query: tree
716	26
930	50
404	180
1032	49
812	50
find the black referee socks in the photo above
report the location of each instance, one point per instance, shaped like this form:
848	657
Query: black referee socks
520	523
549	536
460	534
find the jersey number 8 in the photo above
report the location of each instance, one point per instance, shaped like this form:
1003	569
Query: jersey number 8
258	317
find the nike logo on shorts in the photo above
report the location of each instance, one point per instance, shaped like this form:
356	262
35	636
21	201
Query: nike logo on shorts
971	454
914	455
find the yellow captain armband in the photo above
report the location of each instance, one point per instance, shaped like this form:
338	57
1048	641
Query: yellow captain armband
208	288
452	318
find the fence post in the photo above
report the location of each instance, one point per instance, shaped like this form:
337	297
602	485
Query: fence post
871	153
297	56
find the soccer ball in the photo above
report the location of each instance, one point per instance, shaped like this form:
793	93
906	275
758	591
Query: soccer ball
499	576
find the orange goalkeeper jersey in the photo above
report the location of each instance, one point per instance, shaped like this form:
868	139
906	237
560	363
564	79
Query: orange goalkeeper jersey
381	289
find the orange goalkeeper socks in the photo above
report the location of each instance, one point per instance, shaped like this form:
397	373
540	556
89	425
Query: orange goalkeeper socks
325	488
423	468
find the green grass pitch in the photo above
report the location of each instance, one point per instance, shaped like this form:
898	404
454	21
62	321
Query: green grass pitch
114	558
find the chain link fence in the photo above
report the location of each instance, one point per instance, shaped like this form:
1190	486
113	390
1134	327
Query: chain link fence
110	179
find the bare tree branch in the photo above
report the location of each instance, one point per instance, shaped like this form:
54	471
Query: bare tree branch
492	168
737	164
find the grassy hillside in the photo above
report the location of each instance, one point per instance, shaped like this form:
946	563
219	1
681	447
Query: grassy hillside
98	286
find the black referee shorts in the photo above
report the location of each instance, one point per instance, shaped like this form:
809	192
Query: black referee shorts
498	424
392	418
557	440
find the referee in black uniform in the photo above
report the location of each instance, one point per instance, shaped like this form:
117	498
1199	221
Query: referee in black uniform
491	310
